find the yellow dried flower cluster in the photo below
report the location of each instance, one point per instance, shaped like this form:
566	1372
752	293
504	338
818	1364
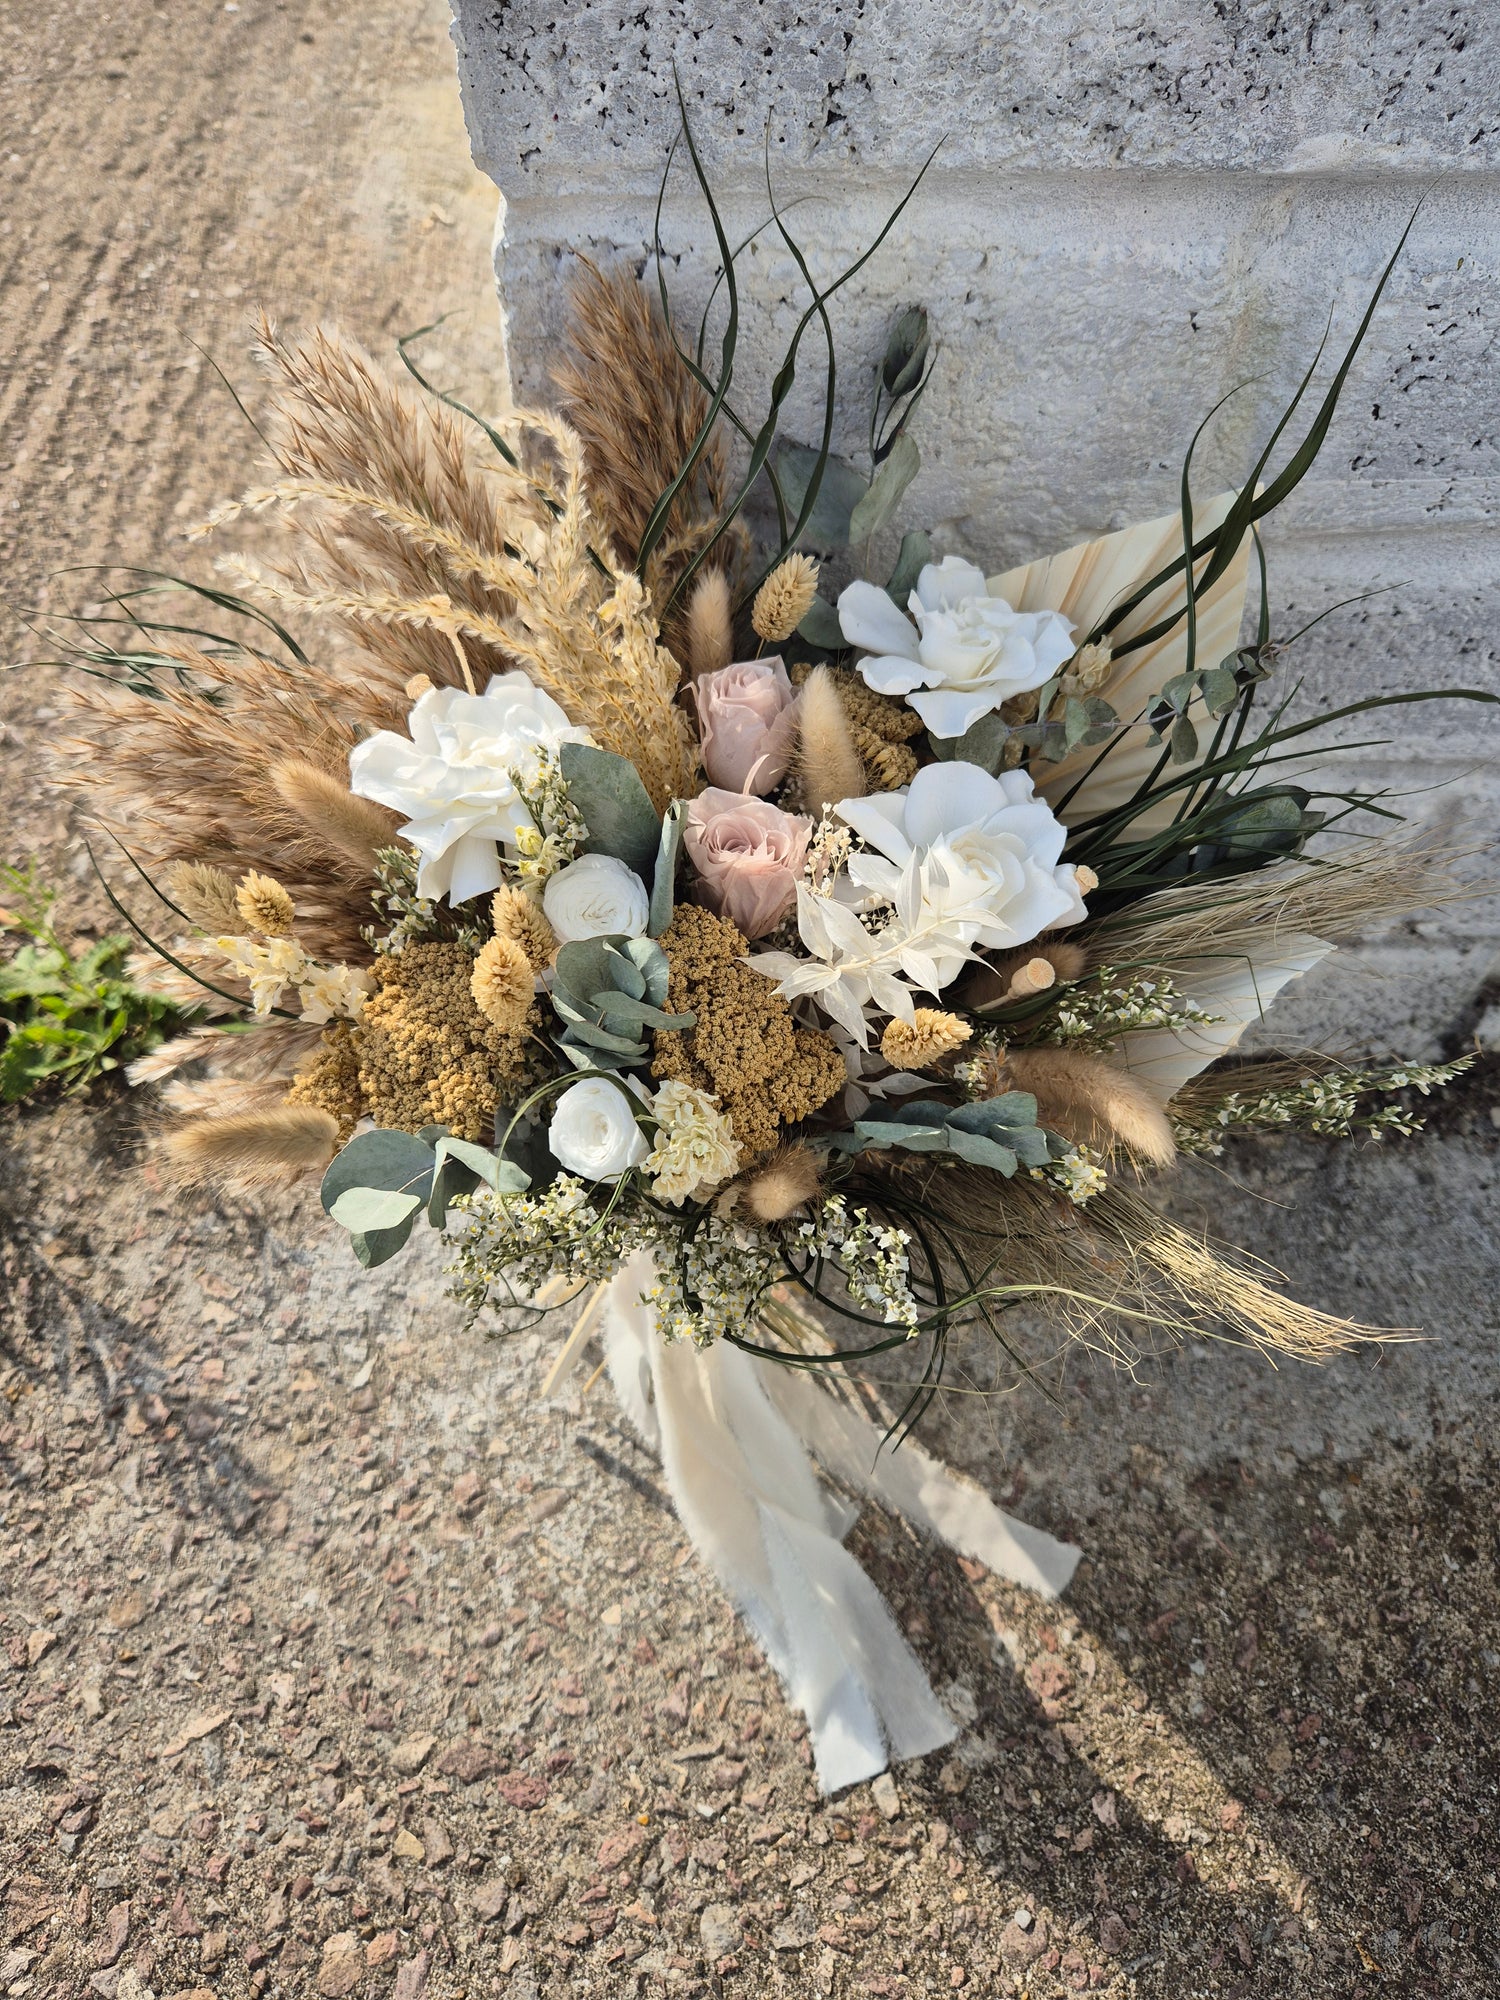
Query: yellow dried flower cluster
784	599
502	983
515	916
427	1056
264	906
328	1079
746	1049
926	1038
881	726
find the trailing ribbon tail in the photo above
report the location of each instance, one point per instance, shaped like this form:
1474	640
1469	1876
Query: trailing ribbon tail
733	1435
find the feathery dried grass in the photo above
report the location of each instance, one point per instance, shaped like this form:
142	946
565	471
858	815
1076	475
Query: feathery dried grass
184	778
709	635
828	765
385	498
244	1150
1331	899
172	1056
1094	1104
587	638
1116	1270
624	389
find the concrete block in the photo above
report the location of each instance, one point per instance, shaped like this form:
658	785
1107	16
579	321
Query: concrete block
1135	211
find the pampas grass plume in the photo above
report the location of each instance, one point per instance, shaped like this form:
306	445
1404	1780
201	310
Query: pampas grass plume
710	634
829	767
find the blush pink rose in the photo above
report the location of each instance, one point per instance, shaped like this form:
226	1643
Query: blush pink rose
747	724
748	856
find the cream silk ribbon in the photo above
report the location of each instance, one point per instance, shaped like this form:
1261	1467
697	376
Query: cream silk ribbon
737	1438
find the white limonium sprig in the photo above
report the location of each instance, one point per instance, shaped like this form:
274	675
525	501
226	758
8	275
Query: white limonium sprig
1331	1106
557	830
1110	1005
874	1258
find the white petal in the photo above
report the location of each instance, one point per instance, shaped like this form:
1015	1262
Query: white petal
891	673
473	868
950	711
942	585
877	819
869	619
944	797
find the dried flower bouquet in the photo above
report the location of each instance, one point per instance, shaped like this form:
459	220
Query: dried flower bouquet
594	888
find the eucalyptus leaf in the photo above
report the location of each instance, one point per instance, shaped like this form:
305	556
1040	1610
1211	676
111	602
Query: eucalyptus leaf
1220	691
840	491
664	879
914	556
982	743
619	815
502	1175
378	1246
364	1209
382	1159
878	507
905	352
1184	741
821	627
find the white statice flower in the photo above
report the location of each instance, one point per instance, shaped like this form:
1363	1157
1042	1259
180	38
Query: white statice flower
456	777
961	860
966	652
696	1150
334	993
596	896
268	966
593	1131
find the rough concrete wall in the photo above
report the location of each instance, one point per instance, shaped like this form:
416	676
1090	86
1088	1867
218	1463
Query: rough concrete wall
1135	208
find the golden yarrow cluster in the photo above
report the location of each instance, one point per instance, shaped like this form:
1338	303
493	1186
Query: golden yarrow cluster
427	1055
328	1079
746	1050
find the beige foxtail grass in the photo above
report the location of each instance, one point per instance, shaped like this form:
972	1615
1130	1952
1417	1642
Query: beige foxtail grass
710	639
828	765
263	1146
1092	1103
345	827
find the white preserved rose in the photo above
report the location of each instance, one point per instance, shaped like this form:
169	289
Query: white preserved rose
967	652
596	896
452	777
593	1132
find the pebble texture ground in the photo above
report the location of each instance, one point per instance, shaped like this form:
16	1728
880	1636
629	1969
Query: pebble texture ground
335	1661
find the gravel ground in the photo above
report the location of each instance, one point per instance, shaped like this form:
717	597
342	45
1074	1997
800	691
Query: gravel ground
333	1660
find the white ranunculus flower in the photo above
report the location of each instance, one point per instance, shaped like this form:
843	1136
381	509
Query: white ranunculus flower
967	651
596	896
593	1131
986	854
964	860
451	777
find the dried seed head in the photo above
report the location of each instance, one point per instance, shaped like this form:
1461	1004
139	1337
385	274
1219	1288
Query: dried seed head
709	629
787	1180
926	1038
515	916
1035	976
784	599
264	906
502	982
204	895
